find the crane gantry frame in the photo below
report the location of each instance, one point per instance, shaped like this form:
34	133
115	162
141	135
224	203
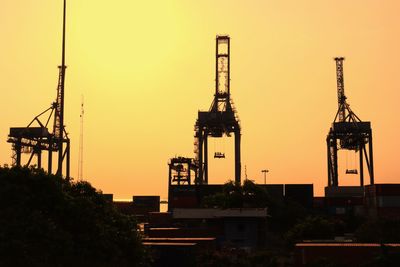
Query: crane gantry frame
352	134
34	140
221	119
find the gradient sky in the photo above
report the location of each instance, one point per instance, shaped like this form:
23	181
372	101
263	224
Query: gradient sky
146	67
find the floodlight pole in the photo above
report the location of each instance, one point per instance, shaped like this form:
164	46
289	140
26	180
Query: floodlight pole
265	175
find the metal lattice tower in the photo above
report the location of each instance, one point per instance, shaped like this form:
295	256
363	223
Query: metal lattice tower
340	88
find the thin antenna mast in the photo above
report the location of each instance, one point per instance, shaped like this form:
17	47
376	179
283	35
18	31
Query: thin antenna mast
80	157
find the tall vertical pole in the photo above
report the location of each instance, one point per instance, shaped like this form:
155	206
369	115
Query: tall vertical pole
206	158
237	157
328	150
18	148
216	69
229	69
169	174
39	158
371	159
67	175
200	177
169	185
362	147
80	156
189	171
50	157
62	83
335	163
265	175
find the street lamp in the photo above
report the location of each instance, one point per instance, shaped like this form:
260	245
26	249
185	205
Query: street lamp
265	175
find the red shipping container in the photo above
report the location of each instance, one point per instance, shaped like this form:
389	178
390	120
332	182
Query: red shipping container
184	202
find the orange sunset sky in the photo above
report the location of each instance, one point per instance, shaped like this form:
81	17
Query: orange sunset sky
146	67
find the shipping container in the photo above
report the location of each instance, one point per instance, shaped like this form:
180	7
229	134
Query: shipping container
184	202
300	193
388	201
344	201
276	191
146	200
160	219
370	201
319	203
383	190
333	210
146	204
359	210
344	191
125	207
182	190
387	212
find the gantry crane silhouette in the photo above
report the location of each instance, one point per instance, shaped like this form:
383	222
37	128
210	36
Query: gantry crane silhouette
352	134
36	139
221	120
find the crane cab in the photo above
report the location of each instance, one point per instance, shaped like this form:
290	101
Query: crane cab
219	155
351	171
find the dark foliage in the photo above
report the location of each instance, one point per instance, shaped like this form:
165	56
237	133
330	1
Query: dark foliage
386	258
48	221
379	231
283	213
248	195
312	227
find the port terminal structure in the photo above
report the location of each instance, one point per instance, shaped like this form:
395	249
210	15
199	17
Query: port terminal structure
34	140
221	120
348	132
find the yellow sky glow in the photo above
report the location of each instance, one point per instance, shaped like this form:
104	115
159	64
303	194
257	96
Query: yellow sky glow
146	67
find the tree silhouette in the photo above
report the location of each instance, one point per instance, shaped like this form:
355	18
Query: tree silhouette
46	220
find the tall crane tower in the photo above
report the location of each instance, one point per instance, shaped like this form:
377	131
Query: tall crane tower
221	119
352	134
33	140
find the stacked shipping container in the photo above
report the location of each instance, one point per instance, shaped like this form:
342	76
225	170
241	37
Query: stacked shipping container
383	200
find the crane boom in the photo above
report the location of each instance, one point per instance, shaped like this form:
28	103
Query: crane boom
58	128
340	89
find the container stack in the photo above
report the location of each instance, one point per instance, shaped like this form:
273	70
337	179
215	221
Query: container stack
383	200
